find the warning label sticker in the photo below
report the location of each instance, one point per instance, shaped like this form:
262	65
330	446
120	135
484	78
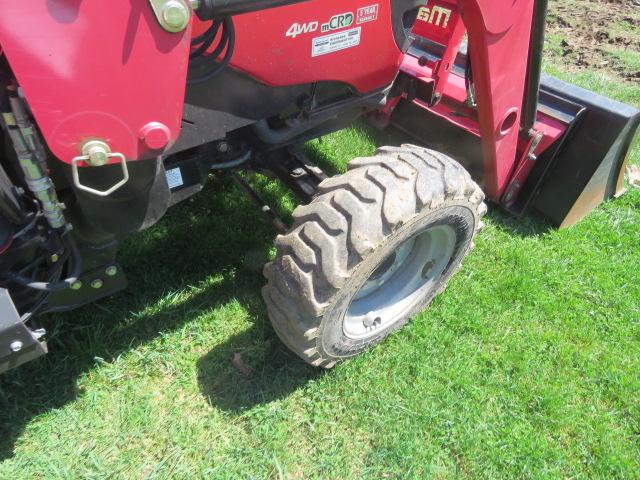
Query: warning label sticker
174	178
336	42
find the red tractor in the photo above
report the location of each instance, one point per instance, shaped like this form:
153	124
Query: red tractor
113	111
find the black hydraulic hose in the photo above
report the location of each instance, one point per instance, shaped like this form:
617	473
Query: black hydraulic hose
227	41
44	296
207	34
218	8
76	262
206	40
235	163
224	43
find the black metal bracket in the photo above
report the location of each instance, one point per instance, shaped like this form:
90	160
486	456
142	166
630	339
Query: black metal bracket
18	343
295	170
277	222
92	285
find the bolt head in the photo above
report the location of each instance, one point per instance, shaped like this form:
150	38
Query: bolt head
223	147
428	267
111	271
176	15
16	346
97	283
76	285
55	258
97	151
98	157
155	135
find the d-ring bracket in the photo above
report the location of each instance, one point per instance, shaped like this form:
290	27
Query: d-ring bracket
96	154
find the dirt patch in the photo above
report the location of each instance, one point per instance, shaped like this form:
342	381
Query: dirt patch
597	34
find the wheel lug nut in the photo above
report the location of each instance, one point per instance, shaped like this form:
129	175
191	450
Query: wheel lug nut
426	270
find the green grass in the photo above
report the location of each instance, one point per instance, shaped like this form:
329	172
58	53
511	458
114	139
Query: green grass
527	366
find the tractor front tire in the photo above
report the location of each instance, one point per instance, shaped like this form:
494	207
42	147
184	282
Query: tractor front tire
374	248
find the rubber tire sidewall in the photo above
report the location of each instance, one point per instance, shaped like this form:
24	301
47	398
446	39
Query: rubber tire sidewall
461	215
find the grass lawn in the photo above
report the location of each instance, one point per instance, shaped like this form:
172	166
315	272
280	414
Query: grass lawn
527	366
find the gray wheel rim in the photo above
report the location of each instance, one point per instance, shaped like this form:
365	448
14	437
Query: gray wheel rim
399	282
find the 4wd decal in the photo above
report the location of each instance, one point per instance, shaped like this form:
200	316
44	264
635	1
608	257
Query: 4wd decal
336	22
300	28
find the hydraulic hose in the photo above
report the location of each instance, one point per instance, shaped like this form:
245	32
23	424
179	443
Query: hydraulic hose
227	43
76	263
210	9
205	40
231	164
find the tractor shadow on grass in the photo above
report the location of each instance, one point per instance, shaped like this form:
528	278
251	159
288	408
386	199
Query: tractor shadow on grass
219	234
529	225
260	374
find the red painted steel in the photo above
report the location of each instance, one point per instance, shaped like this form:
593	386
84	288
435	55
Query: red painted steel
437	20
106	70
265	51
97	69
499	37
498	42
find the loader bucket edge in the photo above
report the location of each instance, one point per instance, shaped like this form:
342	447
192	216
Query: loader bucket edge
590	167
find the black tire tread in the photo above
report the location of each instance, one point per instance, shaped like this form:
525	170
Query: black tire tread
327	240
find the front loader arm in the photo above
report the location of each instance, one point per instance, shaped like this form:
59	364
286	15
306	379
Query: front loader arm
499	38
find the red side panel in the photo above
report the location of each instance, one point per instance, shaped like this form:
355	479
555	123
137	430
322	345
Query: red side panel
350	41
97	69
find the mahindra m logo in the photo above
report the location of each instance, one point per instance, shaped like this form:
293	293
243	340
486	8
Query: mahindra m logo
436	15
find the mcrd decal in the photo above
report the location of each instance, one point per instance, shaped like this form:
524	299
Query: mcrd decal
436	15
338	21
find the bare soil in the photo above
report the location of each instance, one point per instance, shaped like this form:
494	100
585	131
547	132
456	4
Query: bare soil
601	34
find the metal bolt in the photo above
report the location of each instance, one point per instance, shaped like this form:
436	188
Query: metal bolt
426	270
76	285
16	346
97	283
111	271
223	147
97	151
39	333
54	258
175	15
